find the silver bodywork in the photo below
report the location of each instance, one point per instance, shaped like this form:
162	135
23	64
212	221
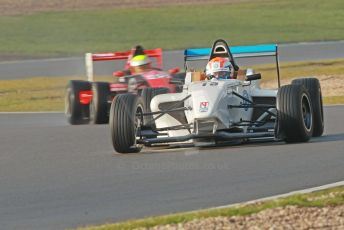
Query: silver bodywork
208	107
219	111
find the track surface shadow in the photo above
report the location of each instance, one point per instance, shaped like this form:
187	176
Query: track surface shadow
180	147
329	138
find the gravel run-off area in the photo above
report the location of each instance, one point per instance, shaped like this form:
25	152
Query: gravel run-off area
331	85
290	217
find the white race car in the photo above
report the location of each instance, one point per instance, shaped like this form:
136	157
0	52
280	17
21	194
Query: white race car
210	112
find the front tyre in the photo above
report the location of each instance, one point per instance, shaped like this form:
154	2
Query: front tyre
125	122
294	113
314	89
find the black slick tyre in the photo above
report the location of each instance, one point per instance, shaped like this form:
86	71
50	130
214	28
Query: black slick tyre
294	114
99	107
76	112
314	89
124	123
180	77
146	97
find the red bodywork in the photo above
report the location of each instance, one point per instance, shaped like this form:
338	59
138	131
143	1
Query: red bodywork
154	78
85	97
153	53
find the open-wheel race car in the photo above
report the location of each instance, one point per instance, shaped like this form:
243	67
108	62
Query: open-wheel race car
211	111
89	101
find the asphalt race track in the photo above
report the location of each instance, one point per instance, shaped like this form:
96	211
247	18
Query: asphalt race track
55	176
76	65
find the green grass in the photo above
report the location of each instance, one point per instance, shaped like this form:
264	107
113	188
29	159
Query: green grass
315	199
47	93
36	94
176	27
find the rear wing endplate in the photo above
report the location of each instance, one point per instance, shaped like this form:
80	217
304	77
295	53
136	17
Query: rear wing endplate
126	55
264	50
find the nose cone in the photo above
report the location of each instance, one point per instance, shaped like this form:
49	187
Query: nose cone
206	97
159	79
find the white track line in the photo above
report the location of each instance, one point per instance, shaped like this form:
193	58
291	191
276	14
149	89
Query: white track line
303	191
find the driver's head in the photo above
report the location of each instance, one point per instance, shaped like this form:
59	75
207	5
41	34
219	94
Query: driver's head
139	64
219	68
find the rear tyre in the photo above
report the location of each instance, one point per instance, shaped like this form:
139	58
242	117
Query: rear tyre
124	123
180	77
146	97
76	112
295	114
99	107
314	89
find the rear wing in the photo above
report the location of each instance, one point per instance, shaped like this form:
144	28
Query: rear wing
126	55
264	50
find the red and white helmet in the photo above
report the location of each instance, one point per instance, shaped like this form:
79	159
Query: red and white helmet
219	68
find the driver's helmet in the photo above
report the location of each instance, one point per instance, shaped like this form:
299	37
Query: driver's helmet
140	63
219	68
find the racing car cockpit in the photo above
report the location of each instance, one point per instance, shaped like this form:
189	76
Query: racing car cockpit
194	59
220	50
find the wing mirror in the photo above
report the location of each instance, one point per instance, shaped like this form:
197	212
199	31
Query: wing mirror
118	74
253	77
174	70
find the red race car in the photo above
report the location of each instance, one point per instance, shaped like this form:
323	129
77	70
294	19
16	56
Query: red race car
90	101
